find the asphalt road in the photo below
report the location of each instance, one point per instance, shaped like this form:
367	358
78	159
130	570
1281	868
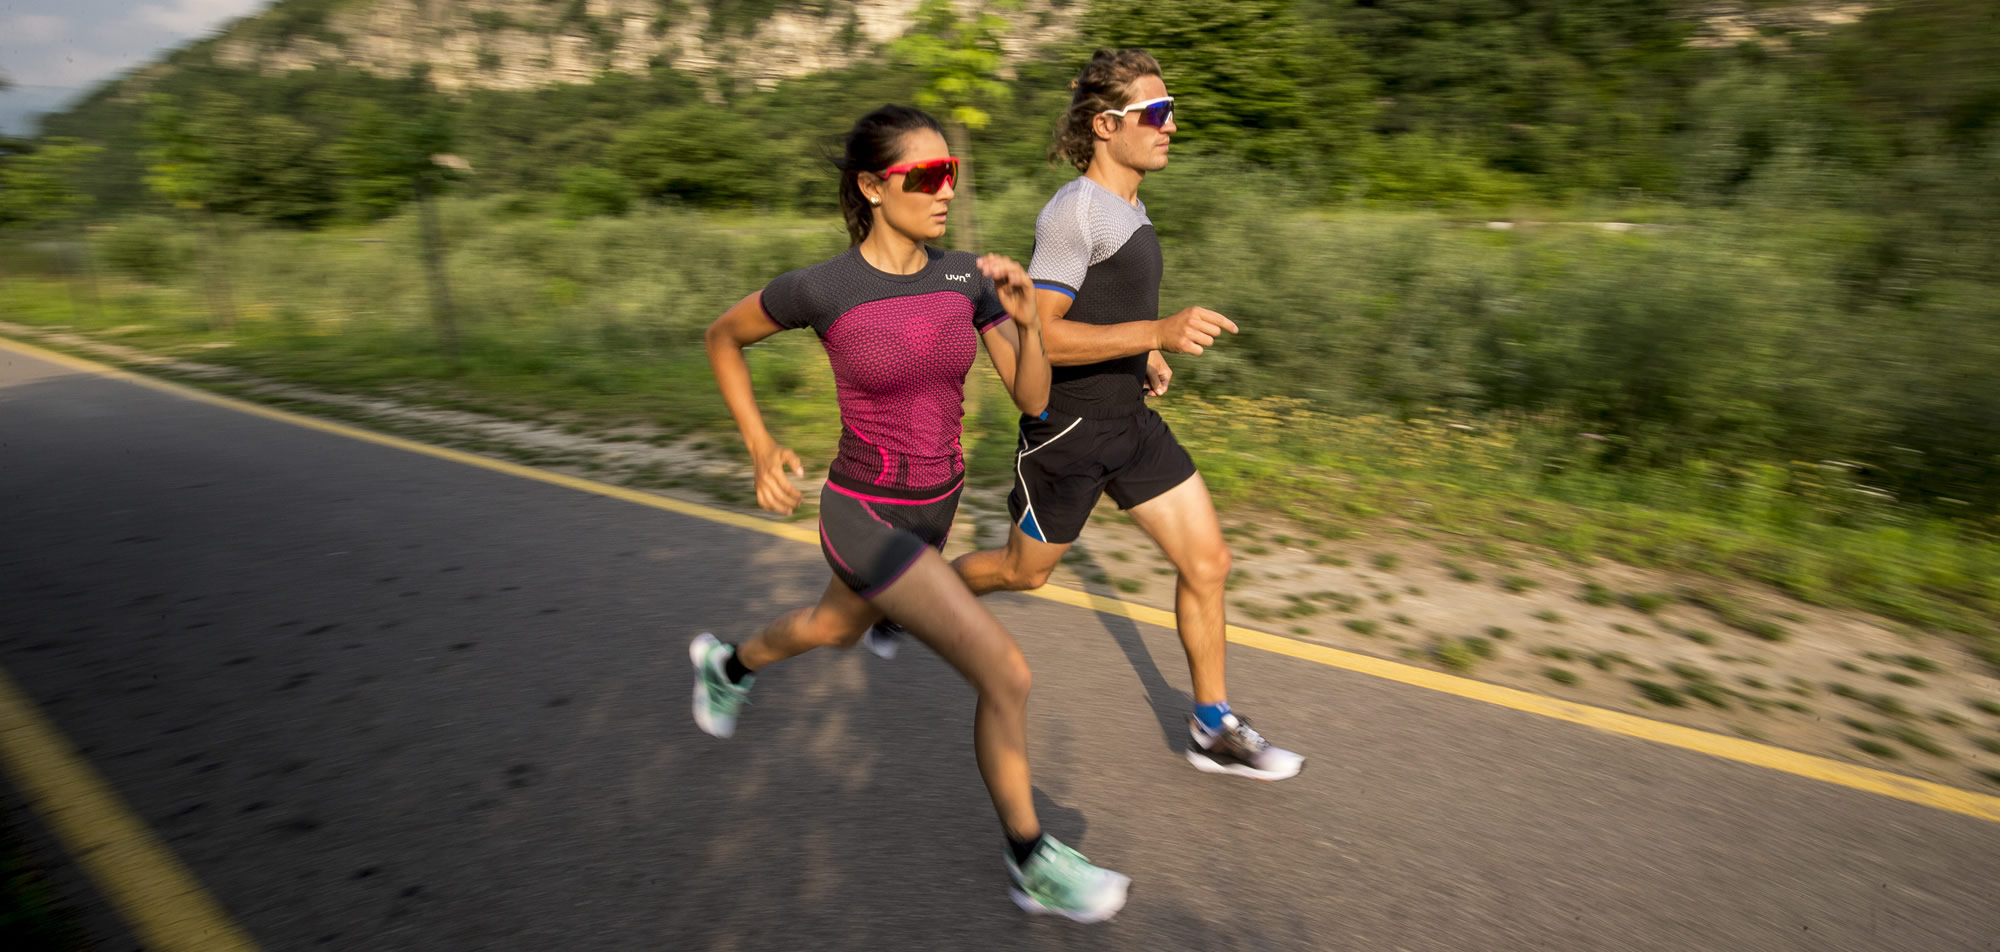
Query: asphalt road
379	701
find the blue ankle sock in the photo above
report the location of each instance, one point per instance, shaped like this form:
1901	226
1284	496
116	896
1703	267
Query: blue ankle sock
1210	715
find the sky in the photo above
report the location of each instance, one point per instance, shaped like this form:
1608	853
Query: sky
55	50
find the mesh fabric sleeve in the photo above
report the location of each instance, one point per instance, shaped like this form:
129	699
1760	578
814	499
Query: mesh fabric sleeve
786	301
1062	245
987	311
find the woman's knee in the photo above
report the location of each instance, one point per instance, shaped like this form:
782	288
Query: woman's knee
1010	680
829	630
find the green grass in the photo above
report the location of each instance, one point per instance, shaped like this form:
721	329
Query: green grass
1605	660
1595	594
1560	676
1906	680
1460	572
1659	693
1384	561
1453	653
1990	745
1361	626
1708	693
1732	613
1516	583
1875	747
1560	654
1645	602
1498	633
1918	739
1549	616
1879	703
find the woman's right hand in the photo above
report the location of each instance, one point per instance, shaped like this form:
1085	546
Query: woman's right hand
1016	291
775	492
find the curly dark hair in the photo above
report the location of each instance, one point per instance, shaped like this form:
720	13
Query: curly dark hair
1105	83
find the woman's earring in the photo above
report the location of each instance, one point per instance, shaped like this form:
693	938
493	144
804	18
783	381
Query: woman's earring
874	201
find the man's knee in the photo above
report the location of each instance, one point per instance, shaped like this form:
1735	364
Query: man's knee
1208	569
1021	576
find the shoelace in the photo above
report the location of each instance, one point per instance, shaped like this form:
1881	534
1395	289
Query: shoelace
1247	737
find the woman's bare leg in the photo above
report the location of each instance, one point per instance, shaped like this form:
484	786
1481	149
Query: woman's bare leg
935	606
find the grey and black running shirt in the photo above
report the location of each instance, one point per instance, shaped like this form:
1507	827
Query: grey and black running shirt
1101	251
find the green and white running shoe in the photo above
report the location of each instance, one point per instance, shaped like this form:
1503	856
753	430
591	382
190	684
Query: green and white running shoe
1058	880
716	701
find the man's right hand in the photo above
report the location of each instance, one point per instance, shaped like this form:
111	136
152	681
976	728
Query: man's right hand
774	492
1191	330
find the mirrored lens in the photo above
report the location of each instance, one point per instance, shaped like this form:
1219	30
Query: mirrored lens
930	178
1157	115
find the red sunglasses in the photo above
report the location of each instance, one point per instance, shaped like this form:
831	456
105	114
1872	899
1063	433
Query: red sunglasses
927	176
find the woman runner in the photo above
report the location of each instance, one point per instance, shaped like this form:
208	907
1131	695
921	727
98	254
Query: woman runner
901	322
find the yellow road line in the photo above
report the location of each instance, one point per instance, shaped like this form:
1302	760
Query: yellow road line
161	900
1852	776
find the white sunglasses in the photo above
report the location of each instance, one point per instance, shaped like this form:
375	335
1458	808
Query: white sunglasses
1152	112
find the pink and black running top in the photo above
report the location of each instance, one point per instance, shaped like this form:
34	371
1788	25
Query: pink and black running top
900	345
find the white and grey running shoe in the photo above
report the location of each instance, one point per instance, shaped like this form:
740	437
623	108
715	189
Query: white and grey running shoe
1238	751
885	638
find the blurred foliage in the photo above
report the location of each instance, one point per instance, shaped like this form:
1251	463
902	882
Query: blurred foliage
1802	273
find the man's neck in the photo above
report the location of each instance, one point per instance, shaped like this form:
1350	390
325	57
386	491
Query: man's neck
1118	179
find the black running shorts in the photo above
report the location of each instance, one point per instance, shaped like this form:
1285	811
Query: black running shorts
1065	463
871	535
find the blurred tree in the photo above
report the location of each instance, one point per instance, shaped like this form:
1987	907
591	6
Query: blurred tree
698	153
38	185
588	191
958	60
387	159
183	168
1235	68
38	190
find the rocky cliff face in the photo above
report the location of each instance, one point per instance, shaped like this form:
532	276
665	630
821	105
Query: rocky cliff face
522	44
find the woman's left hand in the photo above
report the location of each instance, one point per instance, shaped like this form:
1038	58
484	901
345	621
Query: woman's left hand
1017	293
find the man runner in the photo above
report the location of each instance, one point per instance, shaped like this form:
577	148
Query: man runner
1096	269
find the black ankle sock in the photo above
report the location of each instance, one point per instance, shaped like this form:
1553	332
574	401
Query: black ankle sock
733	668
1023	849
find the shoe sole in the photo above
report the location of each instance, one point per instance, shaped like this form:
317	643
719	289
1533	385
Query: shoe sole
1030	905
1206	764
701	716
882	647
